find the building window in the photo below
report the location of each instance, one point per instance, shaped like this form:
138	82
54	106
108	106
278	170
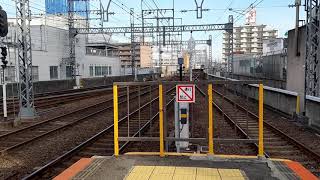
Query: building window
110	70
69	71
91	71
35	73
104	70
53	72
98	71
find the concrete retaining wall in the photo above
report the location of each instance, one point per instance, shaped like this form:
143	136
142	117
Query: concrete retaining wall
284	101
58	85
267	82
91	82
313	110
41	87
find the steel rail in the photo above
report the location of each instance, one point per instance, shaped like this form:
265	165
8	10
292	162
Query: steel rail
276	130
4	151
94	138
230	120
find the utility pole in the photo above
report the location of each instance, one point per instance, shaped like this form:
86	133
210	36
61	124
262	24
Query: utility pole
23	17
72	44
133	46
230	46
191	48
209	66
296	32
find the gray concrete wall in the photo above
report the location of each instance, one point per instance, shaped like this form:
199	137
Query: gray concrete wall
91	82
313	111
295	65
58	85
281	84
41	87
284	101
278	100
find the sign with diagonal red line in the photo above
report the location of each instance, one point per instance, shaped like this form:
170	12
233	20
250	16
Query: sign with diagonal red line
185	93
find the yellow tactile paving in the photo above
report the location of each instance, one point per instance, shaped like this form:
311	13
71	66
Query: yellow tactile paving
161	177
135	176
143	169
233	178
185	170
184	177
164	170
198	177
230	173
207	172
183	173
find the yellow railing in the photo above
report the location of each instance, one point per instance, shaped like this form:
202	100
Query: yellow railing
210	121
210	129
261	151
116	119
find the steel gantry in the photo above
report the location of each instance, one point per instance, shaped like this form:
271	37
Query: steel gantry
26	96
228	27
183	43
312	69
154	29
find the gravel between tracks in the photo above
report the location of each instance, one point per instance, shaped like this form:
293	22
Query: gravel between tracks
37	154
304	135
44	114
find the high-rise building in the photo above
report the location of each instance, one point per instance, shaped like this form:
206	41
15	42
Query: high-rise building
61	7
248	39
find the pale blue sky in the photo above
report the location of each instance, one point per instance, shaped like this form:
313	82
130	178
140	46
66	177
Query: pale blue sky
273	13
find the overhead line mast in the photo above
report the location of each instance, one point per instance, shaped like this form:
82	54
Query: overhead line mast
26	94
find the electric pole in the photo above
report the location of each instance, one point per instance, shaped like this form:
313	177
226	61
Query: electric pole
26	95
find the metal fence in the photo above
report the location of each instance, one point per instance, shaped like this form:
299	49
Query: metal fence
154	103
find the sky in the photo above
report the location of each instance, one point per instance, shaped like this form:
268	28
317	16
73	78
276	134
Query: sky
274	13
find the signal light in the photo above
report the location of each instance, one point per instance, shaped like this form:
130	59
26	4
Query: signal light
4	54
3	23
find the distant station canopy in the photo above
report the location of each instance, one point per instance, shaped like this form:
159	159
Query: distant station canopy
61	7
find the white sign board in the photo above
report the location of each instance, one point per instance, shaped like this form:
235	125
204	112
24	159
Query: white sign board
186	93
251	17
272	45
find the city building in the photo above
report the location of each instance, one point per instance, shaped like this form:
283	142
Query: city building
50	49
143	55
61	7
248	39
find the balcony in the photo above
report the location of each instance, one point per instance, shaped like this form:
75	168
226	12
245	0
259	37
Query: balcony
96	52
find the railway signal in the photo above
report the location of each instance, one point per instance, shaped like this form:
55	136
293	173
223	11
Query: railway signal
3	23
4	54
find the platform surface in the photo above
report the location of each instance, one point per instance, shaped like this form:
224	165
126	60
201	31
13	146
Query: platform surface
138	167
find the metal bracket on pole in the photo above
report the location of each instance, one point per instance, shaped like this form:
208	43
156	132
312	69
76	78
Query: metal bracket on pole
199	9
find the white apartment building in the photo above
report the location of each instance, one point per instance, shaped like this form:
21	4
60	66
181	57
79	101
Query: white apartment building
248	39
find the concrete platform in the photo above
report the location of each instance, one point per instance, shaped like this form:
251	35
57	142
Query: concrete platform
135	166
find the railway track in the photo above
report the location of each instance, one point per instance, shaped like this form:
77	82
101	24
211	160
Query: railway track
225	130
54	99
29	134
277	144
102	144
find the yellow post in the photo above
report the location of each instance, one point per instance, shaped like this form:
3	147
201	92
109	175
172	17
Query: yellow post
261	151
298	105
161	121
210	119
116	119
